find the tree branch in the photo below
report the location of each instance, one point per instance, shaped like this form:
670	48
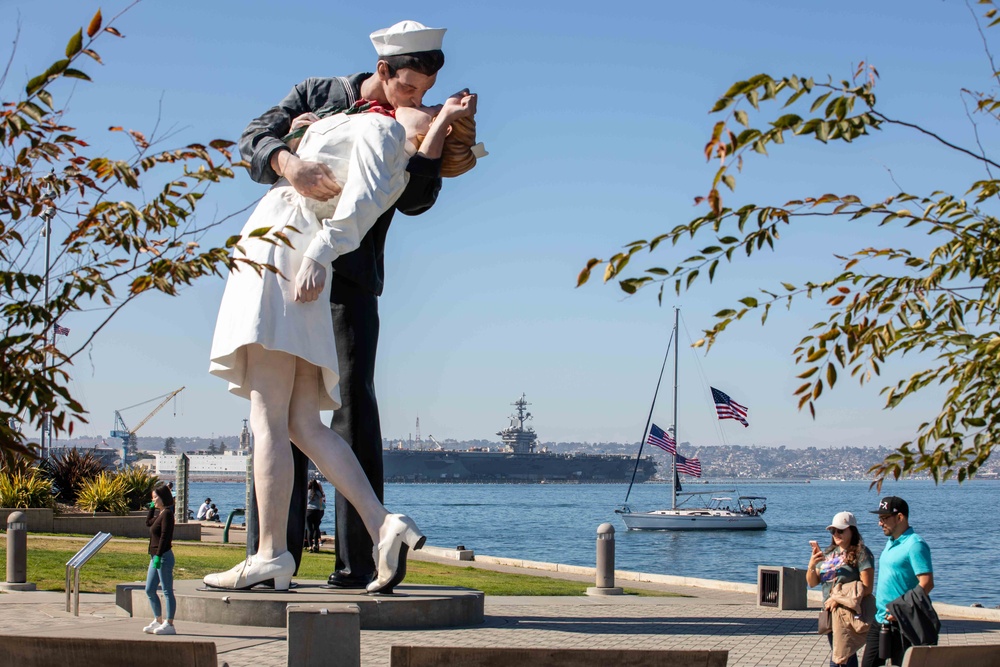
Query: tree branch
886	119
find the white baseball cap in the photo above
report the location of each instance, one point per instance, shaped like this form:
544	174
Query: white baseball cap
842	520
407	37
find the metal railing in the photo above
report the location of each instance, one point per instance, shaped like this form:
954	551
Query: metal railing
73	566
239	511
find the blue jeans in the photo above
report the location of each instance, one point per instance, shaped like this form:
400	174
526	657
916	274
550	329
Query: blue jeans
164	578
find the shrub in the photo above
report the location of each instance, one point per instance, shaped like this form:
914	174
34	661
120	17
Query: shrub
138	484
104	493
25	489
71	470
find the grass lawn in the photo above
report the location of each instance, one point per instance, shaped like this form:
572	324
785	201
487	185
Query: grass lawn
122	561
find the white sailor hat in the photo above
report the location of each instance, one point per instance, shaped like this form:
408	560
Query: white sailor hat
407	37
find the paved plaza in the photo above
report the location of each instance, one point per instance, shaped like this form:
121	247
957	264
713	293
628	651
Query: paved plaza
704	619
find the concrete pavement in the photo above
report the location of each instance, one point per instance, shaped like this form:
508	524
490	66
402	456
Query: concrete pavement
704	619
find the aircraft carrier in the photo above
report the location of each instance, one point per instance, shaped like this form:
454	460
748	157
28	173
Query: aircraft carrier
517	461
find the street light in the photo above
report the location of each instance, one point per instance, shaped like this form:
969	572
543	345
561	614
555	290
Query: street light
48	212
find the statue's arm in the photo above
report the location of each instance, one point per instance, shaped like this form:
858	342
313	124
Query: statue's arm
425	184
263	137
376	178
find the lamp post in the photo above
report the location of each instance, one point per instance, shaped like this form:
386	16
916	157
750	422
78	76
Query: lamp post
48	213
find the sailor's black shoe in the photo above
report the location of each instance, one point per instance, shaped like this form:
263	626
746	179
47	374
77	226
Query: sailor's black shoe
342	580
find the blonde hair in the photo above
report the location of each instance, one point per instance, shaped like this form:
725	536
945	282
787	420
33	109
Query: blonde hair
456	154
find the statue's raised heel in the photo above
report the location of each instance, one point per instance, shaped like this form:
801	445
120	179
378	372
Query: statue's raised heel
399	535
412	536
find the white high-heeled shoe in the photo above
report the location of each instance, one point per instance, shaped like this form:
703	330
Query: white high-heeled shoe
256	570
397	536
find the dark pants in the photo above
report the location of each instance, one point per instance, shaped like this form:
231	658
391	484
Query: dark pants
355	328
897	643
313	519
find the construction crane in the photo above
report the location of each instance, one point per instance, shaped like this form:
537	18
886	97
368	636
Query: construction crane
129	443
437	445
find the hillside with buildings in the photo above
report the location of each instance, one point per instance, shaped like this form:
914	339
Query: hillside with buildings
731	461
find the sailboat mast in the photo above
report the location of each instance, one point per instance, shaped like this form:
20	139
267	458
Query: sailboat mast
677	440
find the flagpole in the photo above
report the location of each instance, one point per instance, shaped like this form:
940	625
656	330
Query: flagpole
677	440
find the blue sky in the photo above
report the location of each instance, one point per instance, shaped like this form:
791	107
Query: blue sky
595	116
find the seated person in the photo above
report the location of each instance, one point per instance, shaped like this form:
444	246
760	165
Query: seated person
203	509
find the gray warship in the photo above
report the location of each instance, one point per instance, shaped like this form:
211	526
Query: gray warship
518	461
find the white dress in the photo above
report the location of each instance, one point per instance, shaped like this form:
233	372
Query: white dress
368	154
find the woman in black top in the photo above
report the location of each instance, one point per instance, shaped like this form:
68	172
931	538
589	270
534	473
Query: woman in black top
315	508
161	566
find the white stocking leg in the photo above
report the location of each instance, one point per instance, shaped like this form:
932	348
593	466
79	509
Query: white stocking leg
331	454
271	376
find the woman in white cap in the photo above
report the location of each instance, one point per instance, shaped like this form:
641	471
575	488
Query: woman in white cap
846	560
274	331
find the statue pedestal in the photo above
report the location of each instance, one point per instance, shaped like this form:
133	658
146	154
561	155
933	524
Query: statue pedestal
411	606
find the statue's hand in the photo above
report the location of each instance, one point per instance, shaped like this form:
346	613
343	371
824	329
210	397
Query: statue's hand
304	120
310	280
311	179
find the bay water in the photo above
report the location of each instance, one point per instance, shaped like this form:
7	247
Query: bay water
557	523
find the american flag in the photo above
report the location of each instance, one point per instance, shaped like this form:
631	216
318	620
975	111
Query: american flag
689	466
61	330
662	439
727	408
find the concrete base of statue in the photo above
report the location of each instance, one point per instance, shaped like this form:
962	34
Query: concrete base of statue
410	606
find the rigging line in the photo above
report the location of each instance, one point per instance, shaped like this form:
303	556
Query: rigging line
707	393
649	419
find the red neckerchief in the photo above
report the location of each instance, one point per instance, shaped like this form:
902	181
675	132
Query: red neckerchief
373	106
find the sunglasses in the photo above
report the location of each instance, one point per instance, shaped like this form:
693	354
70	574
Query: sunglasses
838	531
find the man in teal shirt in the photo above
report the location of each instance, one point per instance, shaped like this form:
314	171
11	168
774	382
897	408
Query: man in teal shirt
905	563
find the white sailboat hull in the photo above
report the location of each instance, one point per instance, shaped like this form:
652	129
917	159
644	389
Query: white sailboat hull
692	519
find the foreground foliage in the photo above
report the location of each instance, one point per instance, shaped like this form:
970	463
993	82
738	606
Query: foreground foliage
137	486
122	226
104	493
25	489
945	302
69	471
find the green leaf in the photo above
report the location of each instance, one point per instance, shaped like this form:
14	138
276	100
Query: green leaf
75	44
749	302
46	98
76	74
742	118
56	68
35	84
32	110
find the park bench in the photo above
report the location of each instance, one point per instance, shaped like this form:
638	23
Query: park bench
432	656
82	652
987	655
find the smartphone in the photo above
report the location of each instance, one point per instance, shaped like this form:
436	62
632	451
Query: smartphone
814	544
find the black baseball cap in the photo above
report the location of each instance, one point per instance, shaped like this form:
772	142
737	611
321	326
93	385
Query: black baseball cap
892	505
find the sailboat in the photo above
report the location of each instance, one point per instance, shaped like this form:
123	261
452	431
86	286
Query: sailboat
718	513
